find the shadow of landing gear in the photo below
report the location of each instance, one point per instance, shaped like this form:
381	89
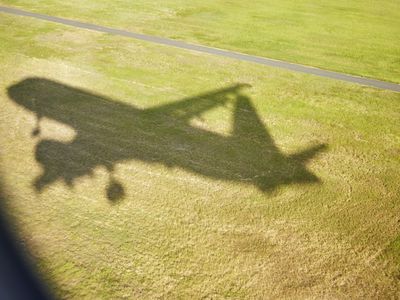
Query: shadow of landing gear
115	191
108	132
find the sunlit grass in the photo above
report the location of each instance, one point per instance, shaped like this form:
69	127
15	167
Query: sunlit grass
355	37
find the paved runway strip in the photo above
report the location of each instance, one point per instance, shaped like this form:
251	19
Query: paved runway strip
214	51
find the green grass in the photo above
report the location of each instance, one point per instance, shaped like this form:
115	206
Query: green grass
356	37
191	220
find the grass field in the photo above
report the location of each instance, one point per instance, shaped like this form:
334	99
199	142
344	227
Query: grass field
139	171
355	37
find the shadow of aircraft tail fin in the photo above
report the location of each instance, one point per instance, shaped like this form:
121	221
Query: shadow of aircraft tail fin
296	171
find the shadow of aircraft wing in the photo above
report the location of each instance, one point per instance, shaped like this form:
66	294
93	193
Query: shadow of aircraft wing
247	126
191	107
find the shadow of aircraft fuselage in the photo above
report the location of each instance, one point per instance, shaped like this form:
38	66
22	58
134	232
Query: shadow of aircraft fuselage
108	132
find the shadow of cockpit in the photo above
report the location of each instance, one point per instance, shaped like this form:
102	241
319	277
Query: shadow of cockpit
108	132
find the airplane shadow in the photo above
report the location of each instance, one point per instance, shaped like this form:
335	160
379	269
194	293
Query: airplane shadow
108	132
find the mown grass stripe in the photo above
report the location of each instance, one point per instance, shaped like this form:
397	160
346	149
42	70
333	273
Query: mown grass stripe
214	51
